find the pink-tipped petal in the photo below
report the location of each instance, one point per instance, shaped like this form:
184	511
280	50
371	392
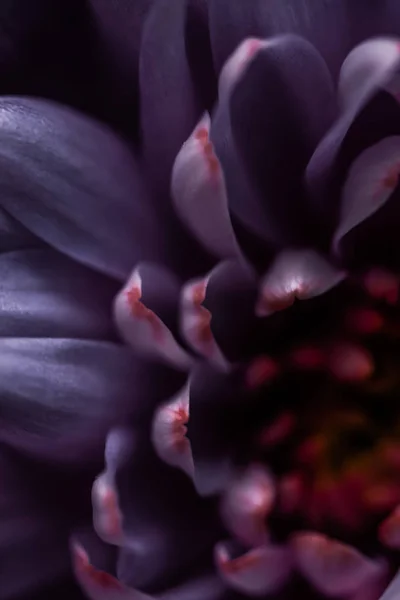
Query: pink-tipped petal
169	432
237	63
371	181
99	585
368	66
107	516
262	570
199	193
143	329
247	503
334	568
196	323
295	274
389	531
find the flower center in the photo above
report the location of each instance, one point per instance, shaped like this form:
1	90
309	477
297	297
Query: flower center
332	438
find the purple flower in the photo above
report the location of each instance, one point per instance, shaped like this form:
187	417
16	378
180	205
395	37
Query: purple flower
214	296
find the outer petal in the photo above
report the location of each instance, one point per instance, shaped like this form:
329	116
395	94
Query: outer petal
261	571
144	308
369	214
169	109
73	183
45	294
59	396
334	568
13	236
199	193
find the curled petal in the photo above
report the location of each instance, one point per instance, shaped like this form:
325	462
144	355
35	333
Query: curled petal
196	323
141	327
389	530
237	63
107	516
262	570
247	503
169	432
334	568
99	585
199	193
372	179
300	274
368	66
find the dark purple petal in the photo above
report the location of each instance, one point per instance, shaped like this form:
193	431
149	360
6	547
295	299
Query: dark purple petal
169	108
161	539
33	545
230	297
369	219
369	113
279	109
13	236
392	591
144	308
73	183
59	396
45	294
214	429
326	25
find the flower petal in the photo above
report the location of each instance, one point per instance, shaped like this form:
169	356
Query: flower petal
13	236
392	592
370	189
161	540
199	193
389	530
295	274
260	571
139	323
247	503
165	76
334	568
196	323
59	396
73	183
169	432
368	113
230	297
275	139
45	294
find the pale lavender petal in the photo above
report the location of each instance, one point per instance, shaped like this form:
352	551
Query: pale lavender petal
295	274
260	571
150	288
199	193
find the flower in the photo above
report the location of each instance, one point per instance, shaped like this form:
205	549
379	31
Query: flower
250	416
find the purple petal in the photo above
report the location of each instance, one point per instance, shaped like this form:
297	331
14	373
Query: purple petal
392	592
45	294
295	274
369	114
161	539
151	288
73	183
196	323
369	218
13	236
59	396
230	298
275	138
169	108
199	193
334	568
260	571
326	25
